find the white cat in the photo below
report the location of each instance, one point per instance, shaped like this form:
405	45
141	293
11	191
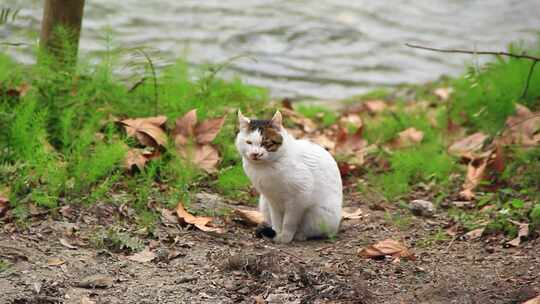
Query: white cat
299	181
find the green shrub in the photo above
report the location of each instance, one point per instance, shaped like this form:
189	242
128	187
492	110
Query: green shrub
485	98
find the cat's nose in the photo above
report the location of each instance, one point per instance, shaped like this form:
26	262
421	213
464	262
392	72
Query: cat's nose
256	156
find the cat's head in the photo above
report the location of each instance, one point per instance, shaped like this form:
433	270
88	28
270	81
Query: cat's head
260	141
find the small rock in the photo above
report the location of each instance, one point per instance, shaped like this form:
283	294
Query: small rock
422	208
462	204
96	281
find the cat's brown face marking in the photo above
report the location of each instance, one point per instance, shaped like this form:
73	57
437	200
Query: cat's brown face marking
271	139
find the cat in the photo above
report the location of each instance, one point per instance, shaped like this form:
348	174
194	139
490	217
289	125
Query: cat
299	181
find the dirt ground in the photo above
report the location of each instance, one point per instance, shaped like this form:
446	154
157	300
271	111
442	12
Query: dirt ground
236	267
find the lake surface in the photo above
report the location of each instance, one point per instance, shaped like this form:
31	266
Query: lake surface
312	49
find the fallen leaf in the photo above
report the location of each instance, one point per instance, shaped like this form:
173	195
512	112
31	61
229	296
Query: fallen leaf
54	261
522	128
350	143
67	244
499	161
198	221
351	119
185	127
443	93
206	131
307	125
453	230
251	217
135	157
96	281
86	300
286	103
468	146
4	205
523	232
474	234
352	215
324	141
407	138
144	256
205	157
374	106
535	300
475	173
19	91
386	247
147	130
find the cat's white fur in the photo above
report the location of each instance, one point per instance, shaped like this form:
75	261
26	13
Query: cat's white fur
300	184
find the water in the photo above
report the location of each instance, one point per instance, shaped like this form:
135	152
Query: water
312	49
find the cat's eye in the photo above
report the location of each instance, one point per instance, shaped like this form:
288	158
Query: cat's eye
249	142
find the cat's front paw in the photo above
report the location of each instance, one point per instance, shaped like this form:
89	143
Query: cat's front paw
284	238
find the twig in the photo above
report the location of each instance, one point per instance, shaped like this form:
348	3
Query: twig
534	59
528	79
522	56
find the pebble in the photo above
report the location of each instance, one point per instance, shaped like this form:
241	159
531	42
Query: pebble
422	208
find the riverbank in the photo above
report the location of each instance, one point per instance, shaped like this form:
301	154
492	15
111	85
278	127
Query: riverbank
141	183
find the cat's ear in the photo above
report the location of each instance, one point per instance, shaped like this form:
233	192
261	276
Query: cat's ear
243	121
277	120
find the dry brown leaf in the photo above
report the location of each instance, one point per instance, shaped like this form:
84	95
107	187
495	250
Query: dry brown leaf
535	300
374	106
206	131
251	217
198	221
206	157
386	247
522	128
67	244
407	138
135	157
55	261
468	146
474	234
185	127
19	91
443	93
351	119
4	204
475	173
147	130
352	215
352	145
307	125
144	256
523	232
324	141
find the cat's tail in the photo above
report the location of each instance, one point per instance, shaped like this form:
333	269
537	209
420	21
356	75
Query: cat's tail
265	231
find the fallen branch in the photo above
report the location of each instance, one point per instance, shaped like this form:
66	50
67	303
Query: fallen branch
521	56
534	59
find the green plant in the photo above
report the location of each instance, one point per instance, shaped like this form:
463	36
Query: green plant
409	166
233	180
485	97
320	114
116	241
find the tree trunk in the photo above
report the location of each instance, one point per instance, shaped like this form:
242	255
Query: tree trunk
60	29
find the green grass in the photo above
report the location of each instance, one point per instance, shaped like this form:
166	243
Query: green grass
485	97
322	115
60	141
233	181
